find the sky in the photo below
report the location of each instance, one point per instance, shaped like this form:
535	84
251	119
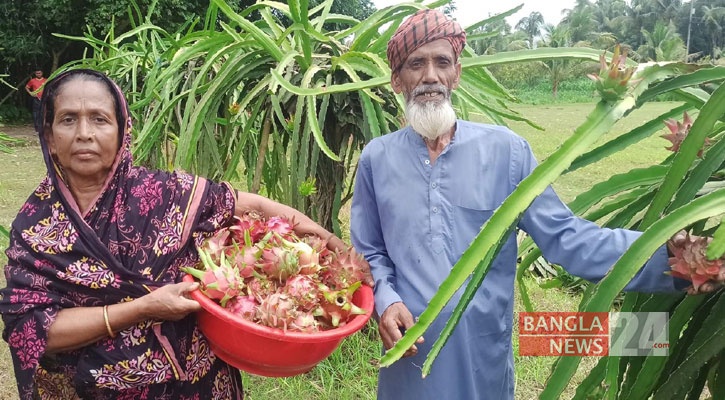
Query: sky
471	11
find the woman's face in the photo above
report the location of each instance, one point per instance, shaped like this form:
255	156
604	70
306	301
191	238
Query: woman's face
84	136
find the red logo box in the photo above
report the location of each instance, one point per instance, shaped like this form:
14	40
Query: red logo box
564	334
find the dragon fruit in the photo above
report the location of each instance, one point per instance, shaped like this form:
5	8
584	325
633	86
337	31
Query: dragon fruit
216	244
319	246
260	287
678	133
246	306
279	263
346	268
219	282
248	229
336	306
307	258
261	270
690	262
303	290
615	79
245	258
279	226
305	322
277	311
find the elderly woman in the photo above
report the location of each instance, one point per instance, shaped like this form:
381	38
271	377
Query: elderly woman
92	308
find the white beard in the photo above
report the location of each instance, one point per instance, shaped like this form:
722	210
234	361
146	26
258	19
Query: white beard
430	119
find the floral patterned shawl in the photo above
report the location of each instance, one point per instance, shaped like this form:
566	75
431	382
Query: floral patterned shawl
141	228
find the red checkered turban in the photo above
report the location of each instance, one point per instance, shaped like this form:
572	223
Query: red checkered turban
420	28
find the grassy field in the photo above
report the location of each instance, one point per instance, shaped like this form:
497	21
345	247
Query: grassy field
349	373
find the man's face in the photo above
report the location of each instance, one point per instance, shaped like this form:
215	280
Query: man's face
426	79
38	74
431	64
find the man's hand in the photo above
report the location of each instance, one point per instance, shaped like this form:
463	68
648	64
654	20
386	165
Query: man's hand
394	317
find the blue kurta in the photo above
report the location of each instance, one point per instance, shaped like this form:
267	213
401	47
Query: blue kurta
412	219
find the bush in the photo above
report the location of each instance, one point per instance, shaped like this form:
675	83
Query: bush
13	115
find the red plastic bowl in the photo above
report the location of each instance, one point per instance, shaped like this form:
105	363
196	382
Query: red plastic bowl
266	351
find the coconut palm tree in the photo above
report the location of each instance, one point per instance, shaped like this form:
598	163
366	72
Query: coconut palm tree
711	17
557	36
531	25
662	44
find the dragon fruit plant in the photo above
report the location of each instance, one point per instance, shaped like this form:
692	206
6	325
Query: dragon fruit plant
260	270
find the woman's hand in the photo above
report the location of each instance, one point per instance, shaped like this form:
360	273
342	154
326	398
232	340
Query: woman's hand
170	302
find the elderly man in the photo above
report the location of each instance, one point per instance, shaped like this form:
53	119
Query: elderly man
421	196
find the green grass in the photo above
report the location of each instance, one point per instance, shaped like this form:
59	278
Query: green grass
349	372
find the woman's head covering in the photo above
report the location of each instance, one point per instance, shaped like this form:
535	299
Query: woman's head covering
141	227
420	28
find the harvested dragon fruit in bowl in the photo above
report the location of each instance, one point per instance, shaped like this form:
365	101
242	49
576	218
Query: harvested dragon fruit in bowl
260	270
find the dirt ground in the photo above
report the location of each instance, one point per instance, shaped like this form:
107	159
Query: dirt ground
25	132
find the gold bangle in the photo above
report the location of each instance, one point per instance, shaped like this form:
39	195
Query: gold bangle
108	324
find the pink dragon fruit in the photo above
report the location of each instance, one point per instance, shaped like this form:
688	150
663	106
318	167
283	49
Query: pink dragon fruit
248	229
690	261
277	311
678	133
305	322
245	258
303	290
336	306
307	258
279	226
346	268
216	244
324	255
219	282
246	306
260	287
279	263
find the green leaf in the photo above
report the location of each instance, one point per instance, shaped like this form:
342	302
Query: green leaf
692	79
4	232
492	19
268	44
341	88
699	175
525	263
540	54
592	382
370	117
688	369
623	141
716	248
312	120
284	8
617	184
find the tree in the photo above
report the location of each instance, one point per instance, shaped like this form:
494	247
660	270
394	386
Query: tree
611	16
557	36
662	44
580	21
531	25
712	16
